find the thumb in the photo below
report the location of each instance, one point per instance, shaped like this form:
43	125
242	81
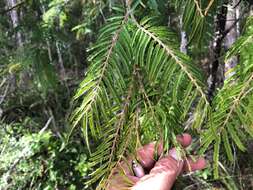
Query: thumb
162	176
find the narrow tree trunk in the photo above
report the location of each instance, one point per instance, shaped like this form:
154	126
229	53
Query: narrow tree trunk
15	21
215	73
49	51
47	41
232	24
60	60
183	43
62	68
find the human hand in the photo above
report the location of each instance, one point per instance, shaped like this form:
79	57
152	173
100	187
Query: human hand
161	174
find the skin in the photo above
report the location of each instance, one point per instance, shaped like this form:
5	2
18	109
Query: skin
162	173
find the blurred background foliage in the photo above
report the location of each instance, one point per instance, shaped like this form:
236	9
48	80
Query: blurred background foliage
38	78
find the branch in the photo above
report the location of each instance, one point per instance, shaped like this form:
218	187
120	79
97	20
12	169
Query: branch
239	2
142	90
237	100
120	123
46	125
208	7
177	60
104	67
224	34
198	8
14	7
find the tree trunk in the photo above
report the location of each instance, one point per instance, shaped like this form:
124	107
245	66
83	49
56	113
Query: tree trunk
15	21
47	41
233	28
183	43
60	61
215	74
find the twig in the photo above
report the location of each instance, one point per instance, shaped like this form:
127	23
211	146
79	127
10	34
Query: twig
14	7
198	8
46	125
119	124
230	28
237	4
2	83
3	149
55	128
208	7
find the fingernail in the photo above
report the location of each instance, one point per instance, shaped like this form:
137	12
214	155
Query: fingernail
137	169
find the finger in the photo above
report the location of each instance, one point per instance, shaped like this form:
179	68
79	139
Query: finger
162	176
190	165
146	154
185	139
168	165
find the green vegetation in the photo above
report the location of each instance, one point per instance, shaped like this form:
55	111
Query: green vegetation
83	83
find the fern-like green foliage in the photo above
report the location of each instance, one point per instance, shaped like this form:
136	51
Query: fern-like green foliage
139	88
197	18
232	109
